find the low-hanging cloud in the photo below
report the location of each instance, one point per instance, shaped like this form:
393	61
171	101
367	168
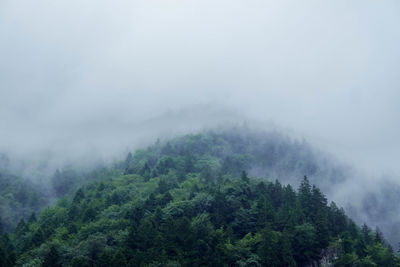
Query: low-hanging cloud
79	75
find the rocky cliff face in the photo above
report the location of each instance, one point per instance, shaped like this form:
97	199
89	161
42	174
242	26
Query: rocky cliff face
328	256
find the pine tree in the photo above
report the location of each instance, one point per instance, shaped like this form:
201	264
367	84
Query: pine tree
21	227
79	195
38	237
244	177
52	258
366	234
378	236
32	218
264	212
285	250
127	164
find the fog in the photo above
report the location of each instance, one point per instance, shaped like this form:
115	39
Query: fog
94	79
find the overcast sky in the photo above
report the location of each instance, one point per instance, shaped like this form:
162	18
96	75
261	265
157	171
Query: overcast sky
93	74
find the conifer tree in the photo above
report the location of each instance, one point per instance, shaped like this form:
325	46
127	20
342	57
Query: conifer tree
52	258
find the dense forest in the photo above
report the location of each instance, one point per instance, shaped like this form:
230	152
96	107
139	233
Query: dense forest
19	197
211	199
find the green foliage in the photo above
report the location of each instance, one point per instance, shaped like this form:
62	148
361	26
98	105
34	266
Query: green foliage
18	199
186	203
7	252
52	258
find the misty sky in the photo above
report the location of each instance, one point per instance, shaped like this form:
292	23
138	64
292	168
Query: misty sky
78	75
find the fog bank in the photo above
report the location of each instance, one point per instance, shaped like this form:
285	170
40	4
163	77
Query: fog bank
78	77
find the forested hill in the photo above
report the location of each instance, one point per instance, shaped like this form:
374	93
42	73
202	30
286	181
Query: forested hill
191	202
270	155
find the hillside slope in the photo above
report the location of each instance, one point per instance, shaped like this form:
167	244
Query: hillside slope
190	202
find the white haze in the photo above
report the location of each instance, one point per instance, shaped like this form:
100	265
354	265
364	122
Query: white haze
82	79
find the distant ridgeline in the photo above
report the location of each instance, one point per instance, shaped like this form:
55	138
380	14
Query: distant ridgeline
190	202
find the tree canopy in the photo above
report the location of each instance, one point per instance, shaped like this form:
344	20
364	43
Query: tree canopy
187	203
